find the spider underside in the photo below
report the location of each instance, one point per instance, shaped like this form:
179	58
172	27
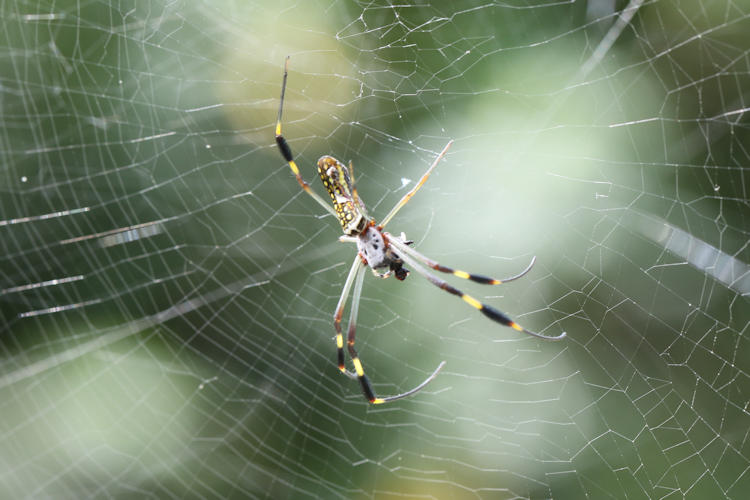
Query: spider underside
382	252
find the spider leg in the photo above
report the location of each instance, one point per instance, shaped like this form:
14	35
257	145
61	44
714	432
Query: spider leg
353	313
354	272
419	184
477	278
488	311
286	151
356	276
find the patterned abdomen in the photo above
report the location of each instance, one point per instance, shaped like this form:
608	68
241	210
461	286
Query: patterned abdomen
348	207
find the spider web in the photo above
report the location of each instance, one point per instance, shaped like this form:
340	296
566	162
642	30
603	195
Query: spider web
167	289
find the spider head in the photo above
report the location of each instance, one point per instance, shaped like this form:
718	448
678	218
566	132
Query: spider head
399	271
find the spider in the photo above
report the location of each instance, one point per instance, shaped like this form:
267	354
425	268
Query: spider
383	252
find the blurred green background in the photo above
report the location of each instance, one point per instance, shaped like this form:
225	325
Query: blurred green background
167	290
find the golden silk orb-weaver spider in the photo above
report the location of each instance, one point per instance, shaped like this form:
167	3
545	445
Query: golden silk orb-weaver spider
383	252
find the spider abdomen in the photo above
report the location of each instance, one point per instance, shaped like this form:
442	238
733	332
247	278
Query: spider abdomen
337	181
